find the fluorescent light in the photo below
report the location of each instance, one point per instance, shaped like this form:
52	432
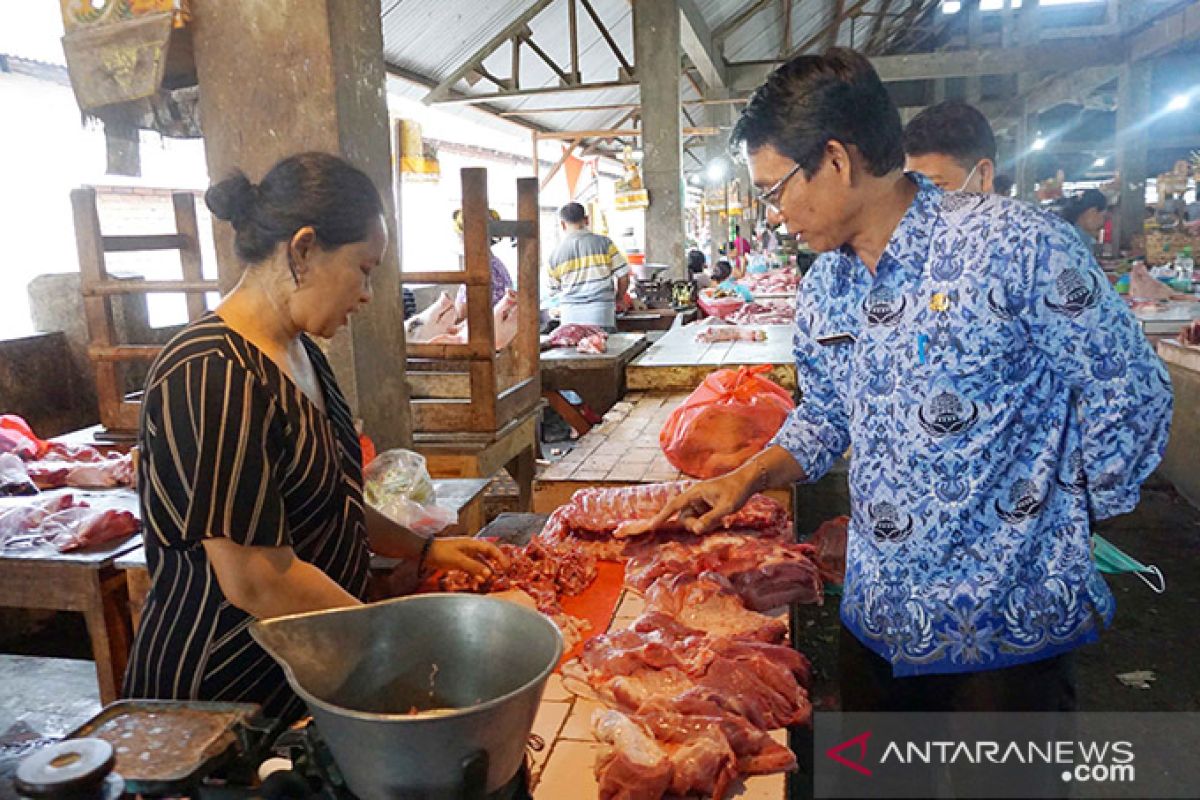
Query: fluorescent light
1039	143
716	170
951	6
695	180
1179	102
1100	162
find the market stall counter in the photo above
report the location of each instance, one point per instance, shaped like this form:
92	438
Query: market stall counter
84	581
679	363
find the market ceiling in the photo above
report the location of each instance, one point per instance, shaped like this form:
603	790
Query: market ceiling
462	50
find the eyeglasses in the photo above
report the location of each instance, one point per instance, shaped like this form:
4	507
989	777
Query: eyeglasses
770	197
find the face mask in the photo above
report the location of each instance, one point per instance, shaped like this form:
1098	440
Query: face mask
1112	561
970	175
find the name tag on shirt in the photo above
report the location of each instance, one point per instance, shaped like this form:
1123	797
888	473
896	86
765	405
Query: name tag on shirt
836	338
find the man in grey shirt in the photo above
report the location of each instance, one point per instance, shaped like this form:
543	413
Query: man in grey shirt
587	272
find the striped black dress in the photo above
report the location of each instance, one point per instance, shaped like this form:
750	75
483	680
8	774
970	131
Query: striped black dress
231	447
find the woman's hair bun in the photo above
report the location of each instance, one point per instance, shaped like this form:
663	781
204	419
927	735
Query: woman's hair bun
232	199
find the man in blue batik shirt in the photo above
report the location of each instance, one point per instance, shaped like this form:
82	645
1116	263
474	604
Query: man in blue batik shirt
996	395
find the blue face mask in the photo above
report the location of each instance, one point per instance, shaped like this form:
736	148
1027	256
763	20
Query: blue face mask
1112	561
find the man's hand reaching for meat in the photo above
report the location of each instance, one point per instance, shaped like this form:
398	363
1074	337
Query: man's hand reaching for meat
475	557
702	507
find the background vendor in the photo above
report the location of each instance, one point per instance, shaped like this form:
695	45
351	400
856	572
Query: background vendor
587	273
501	280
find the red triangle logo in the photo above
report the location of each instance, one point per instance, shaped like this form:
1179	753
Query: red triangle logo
860	742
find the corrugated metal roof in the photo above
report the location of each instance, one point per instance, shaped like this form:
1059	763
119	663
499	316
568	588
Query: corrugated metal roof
433	38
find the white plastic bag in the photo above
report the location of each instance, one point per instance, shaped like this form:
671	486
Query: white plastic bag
399	487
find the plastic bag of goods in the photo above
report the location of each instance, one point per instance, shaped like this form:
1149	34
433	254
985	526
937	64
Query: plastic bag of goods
397	484
726	420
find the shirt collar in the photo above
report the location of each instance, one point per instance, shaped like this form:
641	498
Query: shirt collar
908	247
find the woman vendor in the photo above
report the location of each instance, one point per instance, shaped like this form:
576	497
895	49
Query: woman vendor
250	478
501	280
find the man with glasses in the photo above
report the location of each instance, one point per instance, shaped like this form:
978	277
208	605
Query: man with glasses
952	144
994	392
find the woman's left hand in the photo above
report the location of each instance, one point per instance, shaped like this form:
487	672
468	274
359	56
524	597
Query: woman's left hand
475	557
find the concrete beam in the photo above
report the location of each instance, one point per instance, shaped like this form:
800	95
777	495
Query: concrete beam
1047	57
697	41
656	38
1166	34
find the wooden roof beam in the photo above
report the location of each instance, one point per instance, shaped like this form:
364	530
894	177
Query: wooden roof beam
514	28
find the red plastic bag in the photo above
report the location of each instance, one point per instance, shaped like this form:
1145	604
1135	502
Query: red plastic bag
725	421
17	437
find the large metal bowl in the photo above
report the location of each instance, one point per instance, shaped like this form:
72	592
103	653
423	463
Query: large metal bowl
476	666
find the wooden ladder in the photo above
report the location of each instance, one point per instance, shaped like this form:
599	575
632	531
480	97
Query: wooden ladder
119	414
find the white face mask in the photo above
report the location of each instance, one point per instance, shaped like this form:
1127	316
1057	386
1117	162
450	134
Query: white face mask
970	175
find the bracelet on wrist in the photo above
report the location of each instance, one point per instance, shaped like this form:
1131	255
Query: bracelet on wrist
424	552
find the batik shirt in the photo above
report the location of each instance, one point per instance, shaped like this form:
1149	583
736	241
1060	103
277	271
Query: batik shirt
997	396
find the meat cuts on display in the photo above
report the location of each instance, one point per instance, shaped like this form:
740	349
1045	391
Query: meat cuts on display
693	686
600	519
64	524
777	281
730	333
584	338
81	471
1190	334
765	573
546	573
764	312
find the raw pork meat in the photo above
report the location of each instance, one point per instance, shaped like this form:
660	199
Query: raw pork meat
604	514
504	325
830	543
767	312
730	333
682	762
757	753
55	472
64	523
543	572
571	335
596	344
776	281
434	321
708	602
765	573
1190	334
634	767
1143	286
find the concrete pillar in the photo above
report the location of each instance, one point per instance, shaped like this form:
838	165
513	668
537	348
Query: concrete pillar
1133	108
715	148
296	75
974	40
1025	175
123	148
656	30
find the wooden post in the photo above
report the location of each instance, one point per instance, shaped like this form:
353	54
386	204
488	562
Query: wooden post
477	253
528	343
189	251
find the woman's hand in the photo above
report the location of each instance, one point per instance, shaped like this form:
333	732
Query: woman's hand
475	557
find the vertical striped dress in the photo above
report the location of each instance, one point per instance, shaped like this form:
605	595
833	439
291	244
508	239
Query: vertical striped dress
231	447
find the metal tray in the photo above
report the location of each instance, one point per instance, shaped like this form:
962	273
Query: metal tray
187	762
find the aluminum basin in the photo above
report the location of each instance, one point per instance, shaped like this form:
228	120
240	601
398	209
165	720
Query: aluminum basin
476	666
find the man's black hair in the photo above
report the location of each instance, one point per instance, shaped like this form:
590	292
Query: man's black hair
696	261
721	270
812	100
1075	206
1002	185
954	129
572	214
